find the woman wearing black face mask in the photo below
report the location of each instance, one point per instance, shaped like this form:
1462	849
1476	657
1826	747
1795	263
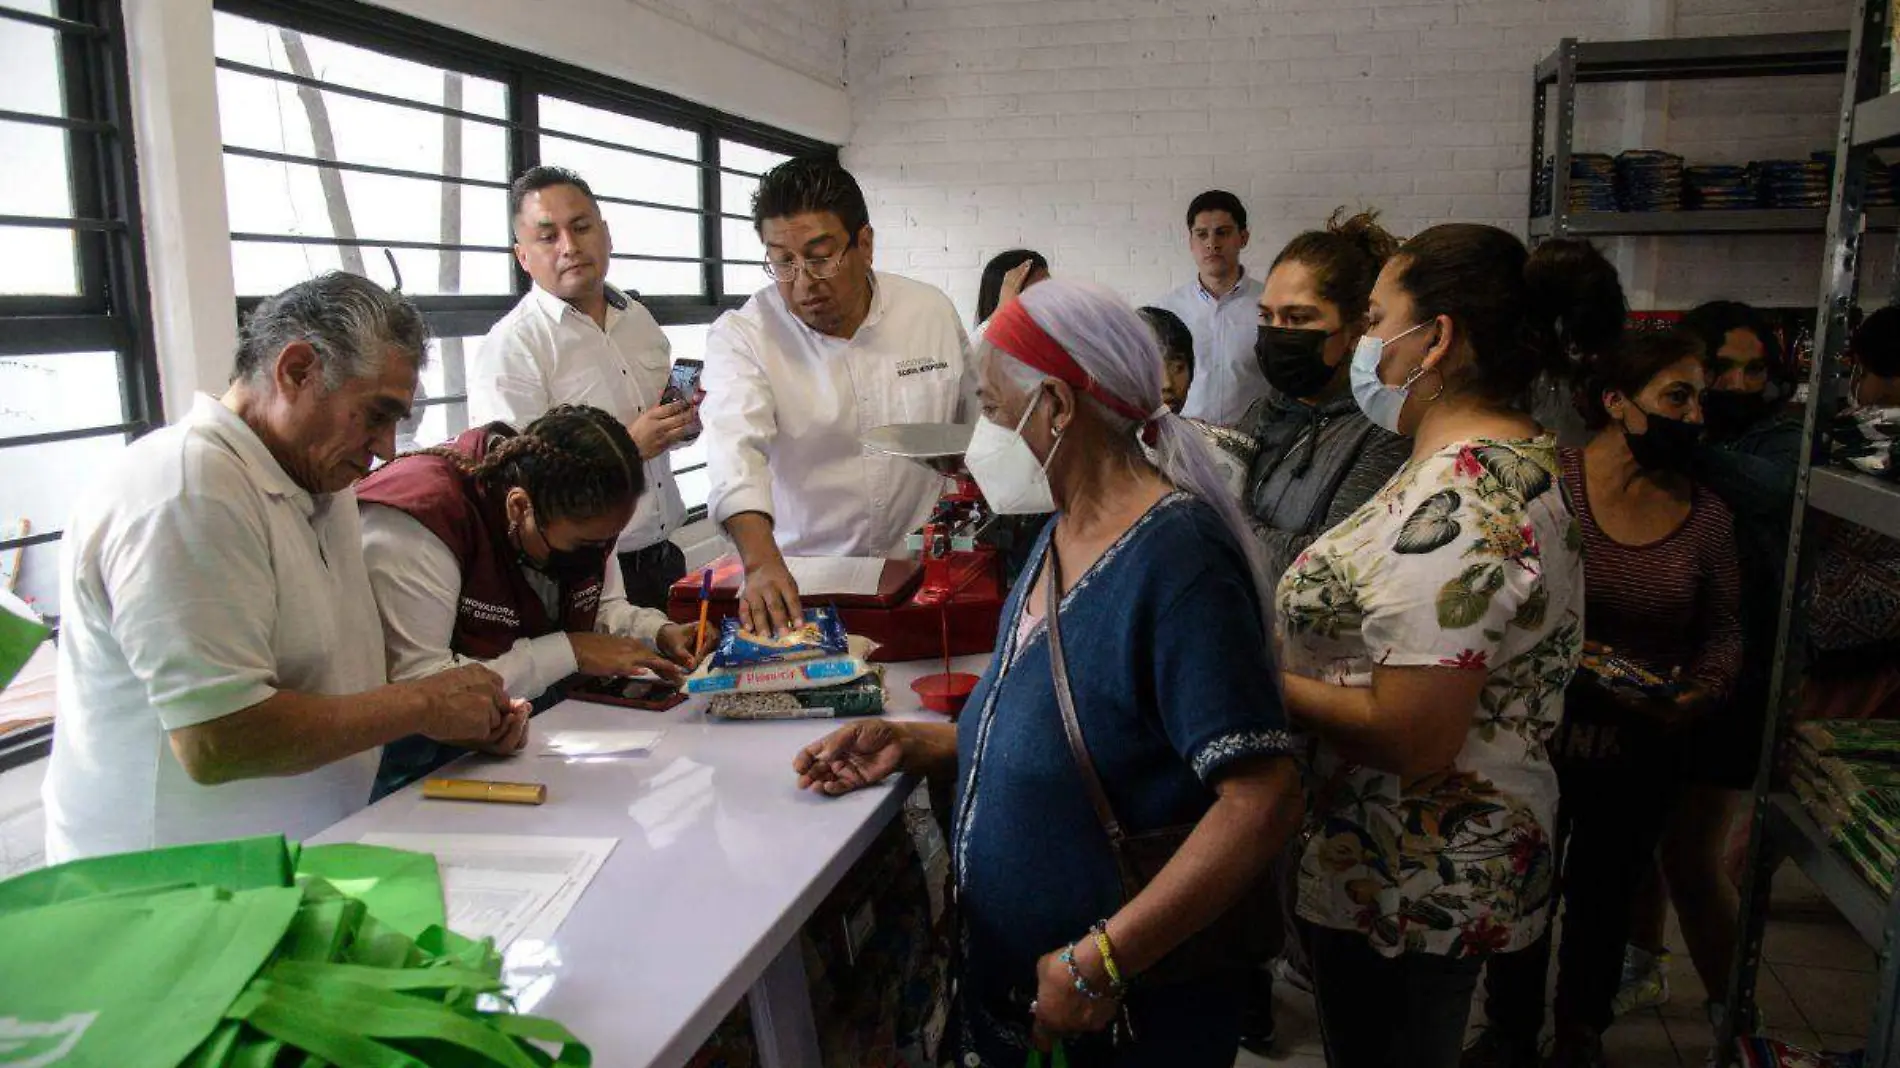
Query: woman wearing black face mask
498	548
1661	593
1319	457
1749	457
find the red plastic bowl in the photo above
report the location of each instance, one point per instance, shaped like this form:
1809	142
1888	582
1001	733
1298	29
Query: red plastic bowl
945	692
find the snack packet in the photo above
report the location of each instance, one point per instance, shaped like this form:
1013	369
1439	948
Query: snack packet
822	634
783	677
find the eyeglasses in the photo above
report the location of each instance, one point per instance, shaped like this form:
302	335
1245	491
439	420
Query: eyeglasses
820	269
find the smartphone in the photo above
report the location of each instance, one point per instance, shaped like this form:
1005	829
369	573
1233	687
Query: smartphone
652	694
683	385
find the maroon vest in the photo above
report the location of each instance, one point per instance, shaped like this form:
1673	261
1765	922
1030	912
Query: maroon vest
496	606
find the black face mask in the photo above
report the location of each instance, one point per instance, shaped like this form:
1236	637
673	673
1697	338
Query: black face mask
565	565
1665	445
1728	412
1294	361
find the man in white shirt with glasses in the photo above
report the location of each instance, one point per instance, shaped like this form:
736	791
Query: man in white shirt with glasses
575	339
795	378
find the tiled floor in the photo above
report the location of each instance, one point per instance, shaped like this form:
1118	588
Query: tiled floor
1816	991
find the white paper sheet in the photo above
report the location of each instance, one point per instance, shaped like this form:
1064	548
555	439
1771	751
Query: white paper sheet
505	886
850	575
600	743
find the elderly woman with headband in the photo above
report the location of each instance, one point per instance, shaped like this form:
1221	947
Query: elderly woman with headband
1121	770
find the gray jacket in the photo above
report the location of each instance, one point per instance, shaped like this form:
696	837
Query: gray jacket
1315	467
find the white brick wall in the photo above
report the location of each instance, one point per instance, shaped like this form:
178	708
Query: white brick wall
1082	127
805	35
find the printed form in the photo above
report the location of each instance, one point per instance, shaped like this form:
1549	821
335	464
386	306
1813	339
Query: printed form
504	886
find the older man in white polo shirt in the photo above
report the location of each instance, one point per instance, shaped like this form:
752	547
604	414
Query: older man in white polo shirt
574	339
221	666
795	378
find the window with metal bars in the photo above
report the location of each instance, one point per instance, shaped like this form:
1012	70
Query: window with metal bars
360	140
78	378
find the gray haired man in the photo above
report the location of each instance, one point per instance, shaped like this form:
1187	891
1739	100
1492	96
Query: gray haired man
221	660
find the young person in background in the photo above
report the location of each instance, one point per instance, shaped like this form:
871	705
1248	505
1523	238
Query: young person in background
1426	642
1218	308
1004	279
1661	593
1177	356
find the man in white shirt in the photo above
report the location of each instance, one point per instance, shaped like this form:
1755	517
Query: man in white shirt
796	377
1221	310
574	339
221	667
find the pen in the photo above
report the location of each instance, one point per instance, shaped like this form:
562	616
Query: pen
705	606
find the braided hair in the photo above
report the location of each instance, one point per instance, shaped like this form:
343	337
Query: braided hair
574	462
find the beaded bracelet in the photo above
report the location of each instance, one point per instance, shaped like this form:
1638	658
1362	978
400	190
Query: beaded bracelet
1075	972
1107	949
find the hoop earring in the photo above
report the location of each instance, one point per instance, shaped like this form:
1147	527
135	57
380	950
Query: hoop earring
1441	387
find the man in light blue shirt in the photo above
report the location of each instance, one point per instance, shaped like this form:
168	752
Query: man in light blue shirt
1221	310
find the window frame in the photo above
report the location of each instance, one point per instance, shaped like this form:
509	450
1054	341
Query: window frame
527	77
112	311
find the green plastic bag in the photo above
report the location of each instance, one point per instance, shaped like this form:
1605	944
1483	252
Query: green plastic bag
245	954
402	889
19	637
134	980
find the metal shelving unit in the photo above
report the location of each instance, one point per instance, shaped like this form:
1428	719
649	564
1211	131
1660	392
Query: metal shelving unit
1574	63
1782	830
1856	498
1806	844
1666	223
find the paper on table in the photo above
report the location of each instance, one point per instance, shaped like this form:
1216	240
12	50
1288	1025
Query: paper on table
855	576
505	886
600	743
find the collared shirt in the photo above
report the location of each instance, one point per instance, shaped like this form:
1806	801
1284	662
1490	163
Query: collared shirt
1227	378
418	585
786	406
546	352
198	580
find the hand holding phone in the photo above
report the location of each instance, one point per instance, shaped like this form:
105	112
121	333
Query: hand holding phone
682	385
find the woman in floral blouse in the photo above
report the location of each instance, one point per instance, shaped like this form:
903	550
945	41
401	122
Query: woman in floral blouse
1426	642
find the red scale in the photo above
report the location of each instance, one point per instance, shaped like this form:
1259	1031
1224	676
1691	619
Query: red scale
944	603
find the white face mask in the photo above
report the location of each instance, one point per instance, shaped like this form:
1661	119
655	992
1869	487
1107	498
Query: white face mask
1013	481
1380	402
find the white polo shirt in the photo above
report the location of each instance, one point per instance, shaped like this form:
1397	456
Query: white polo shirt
418	585
546	352
786	406
1227	378
198	580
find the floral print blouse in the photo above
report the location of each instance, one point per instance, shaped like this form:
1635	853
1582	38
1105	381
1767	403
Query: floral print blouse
1468	558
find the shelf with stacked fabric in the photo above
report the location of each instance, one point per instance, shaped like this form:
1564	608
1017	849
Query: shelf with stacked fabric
1746	221
1794	834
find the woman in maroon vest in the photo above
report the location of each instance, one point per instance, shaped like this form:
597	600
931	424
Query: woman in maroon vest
497	548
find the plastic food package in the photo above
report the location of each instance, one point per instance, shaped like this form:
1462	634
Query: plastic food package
784	677
865	697
1877	740
821	635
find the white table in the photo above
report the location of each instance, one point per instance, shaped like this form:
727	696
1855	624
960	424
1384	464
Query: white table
721	861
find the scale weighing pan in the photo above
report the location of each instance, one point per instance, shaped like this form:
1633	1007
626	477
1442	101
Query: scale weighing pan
938	446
